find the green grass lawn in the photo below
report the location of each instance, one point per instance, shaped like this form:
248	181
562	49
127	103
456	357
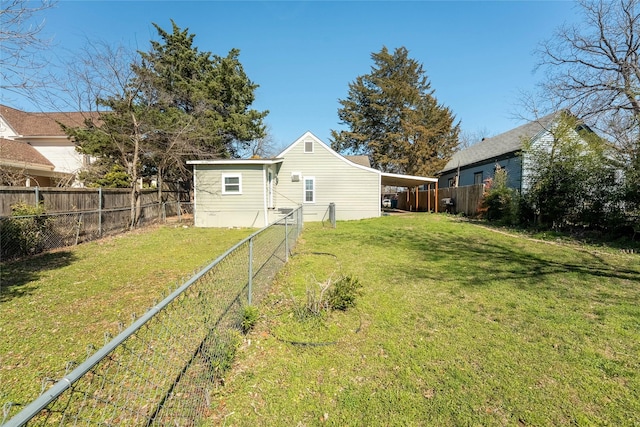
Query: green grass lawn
458	325
57	307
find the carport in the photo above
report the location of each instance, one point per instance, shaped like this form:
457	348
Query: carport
409	182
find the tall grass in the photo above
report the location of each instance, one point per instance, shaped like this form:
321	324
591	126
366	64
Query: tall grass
457	325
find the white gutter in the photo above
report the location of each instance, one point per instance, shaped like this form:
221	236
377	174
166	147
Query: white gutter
236	162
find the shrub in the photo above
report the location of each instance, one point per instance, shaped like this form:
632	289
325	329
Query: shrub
337	294
499	201
344	292
250	316
25	232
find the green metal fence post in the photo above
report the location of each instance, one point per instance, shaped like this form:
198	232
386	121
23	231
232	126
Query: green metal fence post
250	270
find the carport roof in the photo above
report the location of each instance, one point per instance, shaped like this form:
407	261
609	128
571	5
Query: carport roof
396	180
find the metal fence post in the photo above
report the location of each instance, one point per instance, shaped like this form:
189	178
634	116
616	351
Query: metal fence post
332	214
250	270
286	238
179	210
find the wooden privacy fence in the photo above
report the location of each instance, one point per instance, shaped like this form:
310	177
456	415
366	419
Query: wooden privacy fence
466	200
56	199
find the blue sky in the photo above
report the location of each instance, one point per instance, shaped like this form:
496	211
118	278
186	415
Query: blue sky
478	55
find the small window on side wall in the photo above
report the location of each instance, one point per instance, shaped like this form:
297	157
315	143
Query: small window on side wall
477	178
450	182
308	146
231	184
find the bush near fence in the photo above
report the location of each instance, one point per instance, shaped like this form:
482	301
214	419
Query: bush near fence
25	235
68	216
163	369
467	199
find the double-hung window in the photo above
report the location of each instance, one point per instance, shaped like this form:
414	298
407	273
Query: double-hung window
309	189
231	183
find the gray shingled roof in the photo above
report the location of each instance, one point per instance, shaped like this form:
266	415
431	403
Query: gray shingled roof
496	146
359	160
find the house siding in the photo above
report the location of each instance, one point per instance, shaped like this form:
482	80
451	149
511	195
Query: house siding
226	210
354	190
544	142
62	154
512	164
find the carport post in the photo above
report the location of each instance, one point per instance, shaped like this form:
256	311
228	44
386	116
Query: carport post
417	196
436	197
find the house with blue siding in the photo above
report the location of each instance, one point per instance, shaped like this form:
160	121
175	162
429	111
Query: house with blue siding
308	173
478	162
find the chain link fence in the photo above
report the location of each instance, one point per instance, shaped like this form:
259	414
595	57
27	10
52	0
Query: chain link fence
162	370
28	235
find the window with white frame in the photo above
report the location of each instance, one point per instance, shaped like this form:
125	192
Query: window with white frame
308	146
309	189
231	183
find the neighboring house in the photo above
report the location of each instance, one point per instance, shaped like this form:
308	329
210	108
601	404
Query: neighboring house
475	164
255	192
40	132
23	165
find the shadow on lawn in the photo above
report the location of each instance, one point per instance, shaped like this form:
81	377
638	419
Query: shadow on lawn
474	262
16	277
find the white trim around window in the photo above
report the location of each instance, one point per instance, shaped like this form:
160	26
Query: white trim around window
308	146
231	183
309	189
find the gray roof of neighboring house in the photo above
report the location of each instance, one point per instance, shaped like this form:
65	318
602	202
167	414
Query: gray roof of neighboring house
496	146
359	160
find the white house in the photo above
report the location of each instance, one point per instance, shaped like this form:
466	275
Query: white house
35	146
255	192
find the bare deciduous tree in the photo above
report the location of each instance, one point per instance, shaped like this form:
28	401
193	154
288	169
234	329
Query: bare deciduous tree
21	42
592	68
468	138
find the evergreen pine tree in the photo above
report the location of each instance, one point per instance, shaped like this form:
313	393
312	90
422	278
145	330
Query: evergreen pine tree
395	119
